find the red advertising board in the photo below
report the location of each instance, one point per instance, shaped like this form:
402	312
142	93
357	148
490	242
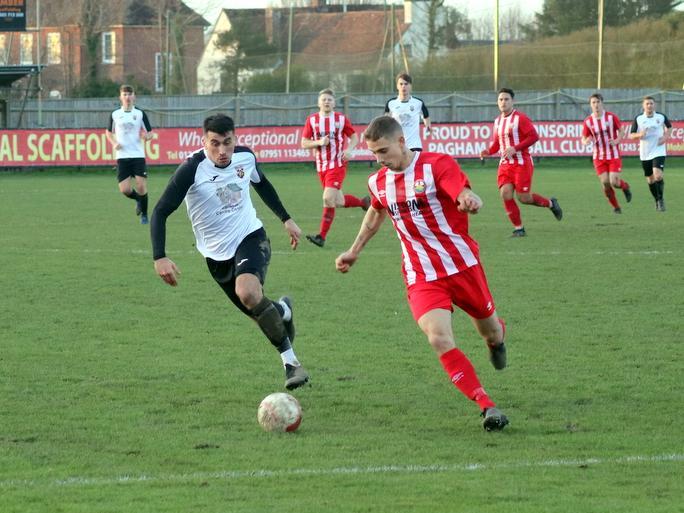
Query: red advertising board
24	148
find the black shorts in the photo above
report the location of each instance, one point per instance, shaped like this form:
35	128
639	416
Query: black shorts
648	165
252	257
126	168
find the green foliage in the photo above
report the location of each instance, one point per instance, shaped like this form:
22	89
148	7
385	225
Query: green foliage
246	49
561	17
646	53
104	88
121	394
274	82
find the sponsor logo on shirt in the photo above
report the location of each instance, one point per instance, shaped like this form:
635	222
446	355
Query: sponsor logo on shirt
411	207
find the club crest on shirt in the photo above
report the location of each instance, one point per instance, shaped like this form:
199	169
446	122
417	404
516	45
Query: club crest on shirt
419	186
411	108
240	171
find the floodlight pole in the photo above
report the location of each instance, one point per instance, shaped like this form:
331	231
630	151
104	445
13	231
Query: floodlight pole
289	50
600	44
496	45
38	57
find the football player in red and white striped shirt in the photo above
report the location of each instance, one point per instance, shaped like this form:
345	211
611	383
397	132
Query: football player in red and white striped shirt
326	132
514	133
603	129
428	198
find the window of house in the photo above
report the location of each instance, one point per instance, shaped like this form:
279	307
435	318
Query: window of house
108	47
26	53
3	49
54	48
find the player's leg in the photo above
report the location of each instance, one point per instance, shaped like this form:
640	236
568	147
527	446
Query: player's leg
140	172
431	307
659	181
349	200
615	176
506	192
274	318
647	166
609	193
523	188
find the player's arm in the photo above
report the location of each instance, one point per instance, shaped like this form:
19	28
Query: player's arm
634	132
353	140
147	131
426	120
370	225
586	134
667	130
111	137
169	201
493	147
468	201
269	196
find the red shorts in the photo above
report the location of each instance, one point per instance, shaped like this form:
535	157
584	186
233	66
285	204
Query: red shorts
467	289
333	177
608	166
520	175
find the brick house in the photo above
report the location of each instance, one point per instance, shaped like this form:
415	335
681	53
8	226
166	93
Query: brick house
119	40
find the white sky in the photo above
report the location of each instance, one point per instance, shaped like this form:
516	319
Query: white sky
213	7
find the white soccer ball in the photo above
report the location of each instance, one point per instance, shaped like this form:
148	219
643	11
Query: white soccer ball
279	412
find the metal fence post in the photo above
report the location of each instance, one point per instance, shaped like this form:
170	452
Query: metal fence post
237	110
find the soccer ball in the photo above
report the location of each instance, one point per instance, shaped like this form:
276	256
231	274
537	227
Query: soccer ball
279	412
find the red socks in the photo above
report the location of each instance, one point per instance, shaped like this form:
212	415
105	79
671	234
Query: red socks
541	201
513	212
624	185
610	194
463	376
352	201
327	220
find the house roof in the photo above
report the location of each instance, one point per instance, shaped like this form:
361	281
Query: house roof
112	12
350	40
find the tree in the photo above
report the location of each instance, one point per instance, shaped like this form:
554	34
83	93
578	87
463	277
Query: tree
560	17
246	48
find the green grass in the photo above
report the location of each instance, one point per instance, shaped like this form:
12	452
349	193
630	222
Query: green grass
121	394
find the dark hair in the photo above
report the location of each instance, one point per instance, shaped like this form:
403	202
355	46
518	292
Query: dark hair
405	77
382	126
598	96
507	91
219	123
125	88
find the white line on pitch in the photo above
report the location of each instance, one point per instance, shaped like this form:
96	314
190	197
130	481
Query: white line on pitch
382	469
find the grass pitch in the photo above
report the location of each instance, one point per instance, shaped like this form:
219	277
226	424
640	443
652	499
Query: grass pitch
121	394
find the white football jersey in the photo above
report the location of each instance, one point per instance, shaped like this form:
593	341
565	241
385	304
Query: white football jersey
408	113
654	126
127	127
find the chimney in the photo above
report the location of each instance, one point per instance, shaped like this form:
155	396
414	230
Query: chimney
408	11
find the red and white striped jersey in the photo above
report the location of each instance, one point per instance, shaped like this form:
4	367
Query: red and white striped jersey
421	201
601	131
336	126
517	130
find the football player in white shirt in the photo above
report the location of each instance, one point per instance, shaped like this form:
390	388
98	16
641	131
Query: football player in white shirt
128	127
408	111
215	182
652	129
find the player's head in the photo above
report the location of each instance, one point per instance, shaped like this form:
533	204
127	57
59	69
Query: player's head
504	100
385	139
648	103
404	84
596	103
126	95
219	139
326	100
